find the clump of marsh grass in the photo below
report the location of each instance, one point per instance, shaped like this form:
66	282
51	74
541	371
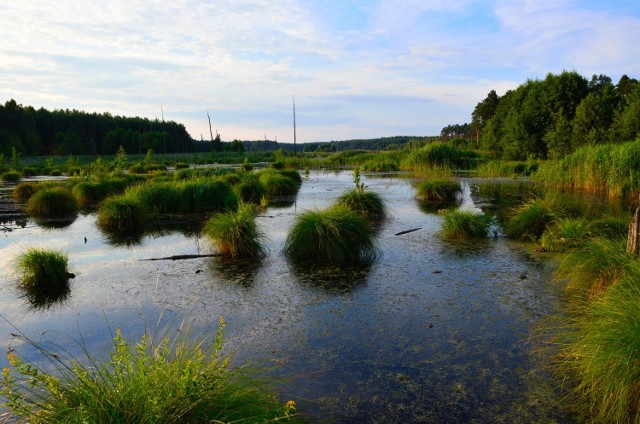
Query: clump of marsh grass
236	234
11	176
122	213
22	192
609	227
276	184
439	190
531	219
334	235
595	266
565	234
602	354
52	202
42	271
161	379
463	225
367	203
249	189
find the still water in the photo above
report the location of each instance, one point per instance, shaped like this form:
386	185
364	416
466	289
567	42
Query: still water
431	331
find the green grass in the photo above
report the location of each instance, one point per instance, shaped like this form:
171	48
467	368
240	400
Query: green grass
11	176
531	219
52	202
276	184
602	356
380	165
22	192
438	190
42	271
160	379
367	203
335	235
465	225
180	165
236	234
92	192
565	234
123	213
249	189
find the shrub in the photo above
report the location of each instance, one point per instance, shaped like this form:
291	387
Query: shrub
334	235
124	213
439	190
42	271
51	202
463	225
293	174
12	176
160	379
236	234
531	219
137	168
367	203
73	171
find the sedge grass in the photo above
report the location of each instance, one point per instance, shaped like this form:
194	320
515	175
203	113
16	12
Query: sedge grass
367	203
52	202
236	234
122	213
565	234
334	235
600	359
531	219
249	189
11	176
276	184
439	190
22	192
161	379
464	225
42	270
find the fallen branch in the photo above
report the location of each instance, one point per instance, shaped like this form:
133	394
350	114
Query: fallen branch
181	257
407	231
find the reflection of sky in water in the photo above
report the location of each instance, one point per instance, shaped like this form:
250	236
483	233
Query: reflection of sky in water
432	330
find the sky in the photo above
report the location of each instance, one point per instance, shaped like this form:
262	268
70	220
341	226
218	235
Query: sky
357	69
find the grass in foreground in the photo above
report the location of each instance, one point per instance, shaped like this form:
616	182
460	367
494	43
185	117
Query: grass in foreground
464	225
335	235
161	379
236	234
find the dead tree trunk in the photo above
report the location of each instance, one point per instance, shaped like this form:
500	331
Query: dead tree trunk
634	234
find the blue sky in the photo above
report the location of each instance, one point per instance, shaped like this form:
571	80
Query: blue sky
358	69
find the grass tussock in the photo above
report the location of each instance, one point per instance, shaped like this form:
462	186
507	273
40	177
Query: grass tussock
335	235
52	202
367	203
11	176
22	192
42	271
565	234
236	234
602	356
531	219
277	184
160	379
439	190
249	189
123	213
465	225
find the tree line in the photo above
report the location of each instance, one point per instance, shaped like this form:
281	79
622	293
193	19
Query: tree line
30	131
552	117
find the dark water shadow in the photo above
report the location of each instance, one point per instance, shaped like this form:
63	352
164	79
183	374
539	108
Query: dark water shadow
42	300
332	279
432	206
122	238
282	202
55	223
238	271
466	248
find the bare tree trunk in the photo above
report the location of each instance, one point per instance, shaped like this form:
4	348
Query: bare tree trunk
634	235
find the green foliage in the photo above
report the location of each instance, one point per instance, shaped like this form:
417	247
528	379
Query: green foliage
89	192
335	235
277	165
42	271
565	234
367	203
22	192
12	176
276	184
439	190
602	352
380	165
437	155
249	189
52	202
464	225
124	213
236	234
160	379
120	161
180	165
531	219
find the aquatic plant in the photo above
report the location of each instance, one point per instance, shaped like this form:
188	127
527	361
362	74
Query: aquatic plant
594	266
11	176
275	184
439	190
42	270
161	379
565	234
463	225
531	219
51	202
367	203
22	192
293	174
603	350
610	227
180	165
380	165
29	171
277	165
123	213
236	234
249	189
334	235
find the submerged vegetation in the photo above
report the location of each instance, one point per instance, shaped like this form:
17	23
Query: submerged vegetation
160	379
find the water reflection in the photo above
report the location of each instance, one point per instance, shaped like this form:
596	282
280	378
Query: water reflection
333	279
55	223
240	271
44	299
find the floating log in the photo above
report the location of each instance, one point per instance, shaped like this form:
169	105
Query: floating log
407	231
634	235
181	257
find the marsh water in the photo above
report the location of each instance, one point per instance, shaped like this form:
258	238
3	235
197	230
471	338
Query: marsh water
431	331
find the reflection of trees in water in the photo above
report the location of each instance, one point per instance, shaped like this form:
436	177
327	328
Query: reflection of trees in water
337	279
241	271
